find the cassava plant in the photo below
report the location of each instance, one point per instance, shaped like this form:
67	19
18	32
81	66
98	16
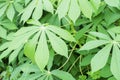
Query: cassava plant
59	39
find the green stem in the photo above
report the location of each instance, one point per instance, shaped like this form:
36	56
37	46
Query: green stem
80	66
68	57
73	64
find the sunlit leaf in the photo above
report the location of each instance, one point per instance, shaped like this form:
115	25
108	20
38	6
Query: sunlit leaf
42	52
57	44
101	57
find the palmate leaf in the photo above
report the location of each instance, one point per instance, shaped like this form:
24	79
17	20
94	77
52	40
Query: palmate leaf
102	56
13	47
34	41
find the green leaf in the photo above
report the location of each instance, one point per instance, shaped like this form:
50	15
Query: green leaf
42	77
24	30
2	10
86	8
82	31
62	75
5	53
101	57
111	78
3	33
115	29
74	10
22	39
100	35
14	54
26	2
10	12
105	72
28	11
111	17
8	24
62	33
93	44
47	5
86	60
38	10
63	8
51	58
113	3
30	46
95	4
115	62
18	7
42	52
34	22
58	44
51	78
4	46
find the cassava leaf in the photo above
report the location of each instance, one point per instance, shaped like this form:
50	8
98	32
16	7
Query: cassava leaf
47	5
30	47
42	52
28	11
3	33
62	33
38	10
10	12
86	8
115	29
93	44
101	57
100	35
14	54
58	44
115	65
22	39
74	11
62	75
114	3
63	8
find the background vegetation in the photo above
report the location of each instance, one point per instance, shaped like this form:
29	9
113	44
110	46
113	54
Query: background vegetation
59	39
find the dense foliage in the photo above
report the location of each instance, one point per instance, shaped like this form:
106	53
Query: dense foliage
60	39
